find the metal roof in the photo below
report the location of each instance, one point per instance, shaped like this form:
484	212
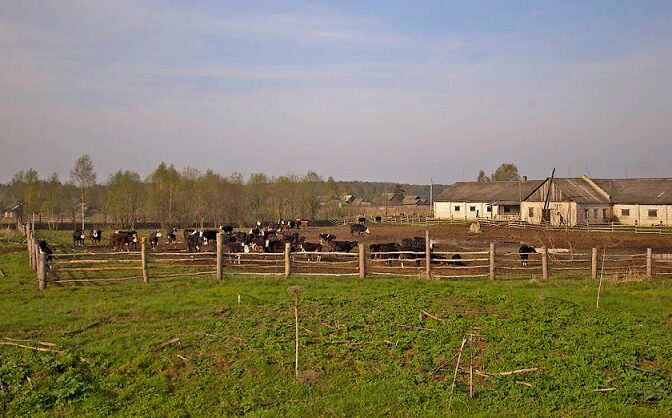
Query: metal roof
497	192
652	191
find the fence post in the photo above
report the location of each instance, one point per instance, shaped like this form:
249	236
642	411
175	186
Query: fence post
29	243
649	262
42	271
288	269
428	256
492	261
36	256
362	260
220	260
544	262
143	254
593	264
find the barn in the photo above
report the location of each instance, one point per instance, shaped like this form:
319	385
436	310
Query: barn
571	201
644	202
499	200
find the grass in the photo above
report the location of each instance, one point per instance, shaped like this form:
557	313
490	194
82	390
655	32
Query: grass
356	359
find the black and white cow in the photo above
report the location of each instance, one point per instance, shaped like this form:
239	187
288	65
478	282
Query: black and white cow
359	228
154	239
171	236
45	249
327	237
274	246
96	235
194	242
309	247
361	219
525	251
78	237
119	240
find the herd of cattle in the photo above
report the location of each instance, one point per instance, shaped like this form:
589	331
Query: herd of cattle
272	239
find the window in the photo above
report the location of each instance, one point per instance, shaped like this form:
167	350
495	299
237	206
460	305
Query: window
530	212
472	208
488	208
595	213
586	213
507	209
653	213
604	214
457	208
625	212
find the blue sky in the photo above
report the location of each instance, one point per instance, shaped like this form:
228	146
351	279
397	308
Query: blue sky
377	90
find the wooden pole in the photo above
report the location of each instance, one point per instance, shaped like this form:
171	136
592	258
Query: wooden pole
42	271
428	256
649	262
220	259
36	256
362	260
29	243
593	264
288	270
143	252
492	261
544	262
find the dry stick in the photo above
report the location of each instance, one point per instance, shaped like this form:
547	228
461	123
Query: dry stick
471	366
529	385
604	390
424	314
533	369
296	331
599	288
167	343
2	273
457	366
28	347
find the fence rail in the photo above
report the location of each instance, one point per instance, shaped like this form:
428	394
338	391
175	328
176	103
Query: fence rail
60	267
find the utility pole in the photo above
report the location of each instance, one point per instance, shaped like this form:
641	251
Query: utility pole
431	197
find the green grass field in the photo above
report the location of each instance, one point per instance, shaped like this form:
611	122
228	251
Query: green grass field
364	350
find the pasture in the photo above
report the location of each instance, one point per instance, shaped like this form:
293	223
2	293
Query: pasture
190	346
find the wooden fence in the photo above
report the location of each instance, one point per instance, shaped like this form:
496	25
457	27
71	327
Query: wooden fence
148	265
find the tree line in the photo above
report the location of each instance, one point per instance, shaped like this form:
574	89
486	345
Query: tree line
182	197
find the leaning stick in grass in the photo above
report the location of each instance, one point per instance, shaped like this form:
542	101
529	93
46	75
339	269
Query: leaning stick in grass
28	347
604	390
457	366
527	385
424	314
471	366
533	369
167	343
599	288
296	290
2	273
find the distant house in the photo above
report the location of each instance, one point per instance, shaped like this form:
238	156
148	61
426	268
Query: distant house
351	200
639	201
414	200
12	212
572	201
473	200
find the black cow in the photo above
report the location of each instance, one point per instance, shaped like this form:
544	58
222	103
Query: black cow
96	236
194	242
78	237
171	236
187	232
131	233
45	249
388	247
228	229
154	239
524	251
118	240
209	235
379	219
361	219
359	228
274	246
309	247
343	246
413	245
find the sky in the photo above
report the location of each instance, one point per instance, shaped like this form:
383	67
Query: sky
384	90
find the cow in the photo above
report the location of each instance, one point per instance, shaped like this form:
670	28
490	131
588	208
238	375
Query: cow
327	237
118	240
234	247
274	246
361	219
378	219
228	229
524	251
309	247
154	239
412	246
193	242
96	236
134	237
303	223
78	237
455	260
343	246
388	247
256	231
359	228
187	232
171	236
45	249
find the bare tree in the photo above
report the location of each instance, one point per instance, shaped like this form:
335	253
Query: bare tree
83	176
